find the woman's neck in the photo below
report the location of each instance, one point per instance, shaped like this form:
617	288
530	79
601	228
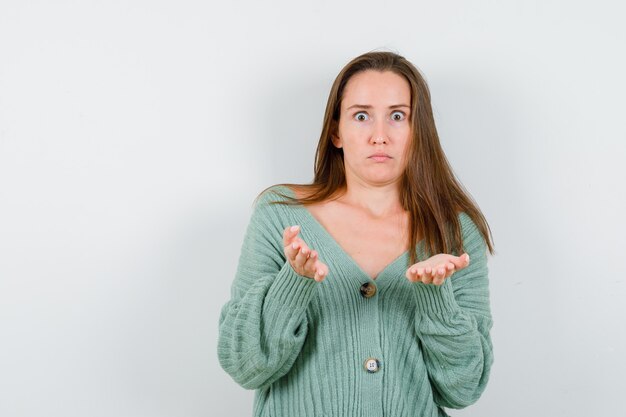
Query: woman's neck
377	201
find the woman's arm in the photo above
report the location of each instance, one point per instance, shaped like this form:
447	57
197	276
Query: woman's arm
263	326
453	322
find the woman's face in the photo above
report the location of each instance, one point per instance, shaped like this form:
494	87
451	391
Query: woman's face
374	119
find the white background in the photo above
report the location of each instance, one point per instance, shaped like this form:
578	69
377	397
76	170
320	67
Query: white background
134	136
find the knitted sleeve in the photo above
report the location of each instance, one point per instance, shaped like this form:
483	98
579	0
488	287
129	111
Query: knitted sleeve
453	322
263	326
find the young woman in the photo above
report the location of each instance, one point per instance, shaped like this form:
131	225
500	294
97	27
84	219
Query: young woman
364	293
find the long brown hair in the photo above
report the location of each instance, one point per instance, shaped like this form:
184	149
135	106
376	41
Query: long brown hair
429	190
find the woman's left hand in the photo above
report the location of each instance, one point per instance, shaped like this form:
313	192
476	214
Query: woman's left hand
436	268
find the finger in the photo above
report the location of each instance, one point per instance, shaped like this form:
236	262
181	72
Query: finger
438	273
321	272
460	262
306	251
295	247
435	276
420	274
289	234
414	274
411	274
292	250
451	269
301	256
319	275
427	278
309	264
325	270
441	272
304	248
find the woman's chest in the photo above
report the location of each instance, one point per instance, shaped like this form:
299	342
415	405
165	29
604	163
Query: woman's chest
372	244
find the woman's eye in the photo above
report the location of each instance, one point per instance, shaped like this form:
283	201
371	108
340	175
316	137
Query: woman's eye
361	117
399	113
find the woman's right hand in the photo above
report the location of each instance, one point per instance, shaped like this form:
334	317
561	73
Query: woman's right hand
302	259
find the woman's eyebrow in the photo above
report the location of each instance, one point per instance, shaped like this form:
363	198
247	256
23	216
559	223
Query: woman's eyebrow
367	106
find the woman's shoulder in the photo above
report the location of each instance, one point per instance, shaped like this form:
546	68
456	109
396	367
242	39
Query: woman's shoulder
272	201
286	191
474	238
269	217
276	192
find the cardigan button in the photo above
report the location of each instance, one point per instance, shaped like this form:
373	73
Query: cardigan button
372	365
368	289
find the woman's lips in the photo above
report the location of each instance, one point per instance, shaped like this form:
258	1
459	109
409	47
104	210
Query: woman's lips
380	158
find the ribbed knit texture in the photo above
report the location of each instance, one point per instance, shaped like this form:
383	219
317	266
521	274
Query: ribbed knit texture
302	345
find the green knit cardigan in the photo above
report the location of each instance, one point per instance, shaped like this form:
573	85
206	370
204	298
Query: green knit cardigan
323	349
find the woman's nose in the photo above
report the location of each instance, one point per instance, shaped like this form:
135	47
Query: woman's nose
379	140
379	133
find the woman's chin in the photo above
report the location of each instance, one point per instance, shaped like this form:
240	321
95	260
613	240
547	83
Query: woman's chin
382	179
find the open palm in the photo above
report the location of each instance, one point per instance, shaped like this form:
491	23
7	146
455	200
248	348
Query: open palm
437	268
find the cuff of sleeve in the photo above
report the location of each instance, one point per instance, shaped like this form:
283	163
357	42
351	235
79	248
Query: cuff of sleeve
435	298
291	289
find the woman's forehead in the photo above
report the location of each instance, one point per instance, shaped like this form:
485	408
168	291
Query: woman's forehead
376	89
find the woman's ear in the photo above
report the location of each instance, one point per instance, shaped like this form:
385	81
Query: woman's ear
336	141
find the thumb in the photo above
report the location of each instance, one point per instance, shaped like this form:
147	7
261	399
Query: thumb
289	234
462	261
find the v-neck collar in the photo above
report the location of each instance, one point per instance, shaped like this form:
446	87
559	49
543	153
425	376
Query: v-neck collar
400	261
